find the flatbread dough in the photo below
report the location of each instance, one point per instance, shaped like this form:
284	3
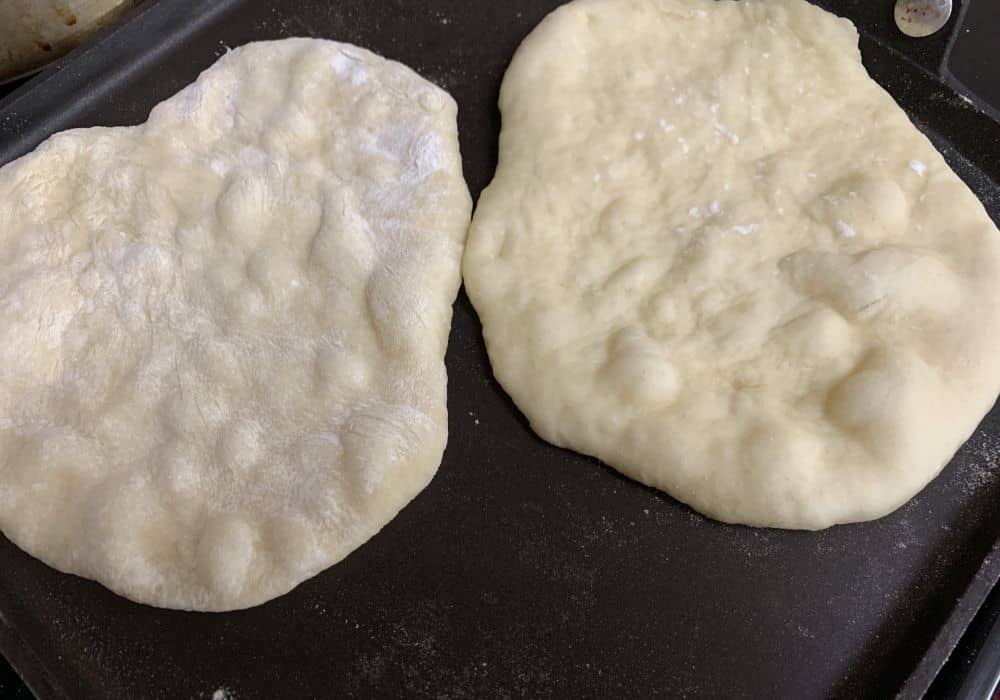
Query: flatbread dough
222	332
717	256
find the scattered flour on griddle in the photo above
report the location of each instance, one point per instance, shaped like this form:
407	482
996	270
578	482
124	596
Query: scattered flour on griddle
983	468
223	694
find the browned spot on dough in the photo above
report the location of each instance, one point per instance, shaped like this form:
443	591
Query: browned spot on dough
43	45
66	15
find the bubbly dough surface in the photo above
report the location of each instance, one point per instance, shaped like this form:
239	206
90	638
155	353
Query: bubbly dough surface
222	332
718	256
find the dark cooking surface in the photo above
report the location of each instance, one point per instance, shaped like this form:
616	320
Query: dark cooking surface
523	570
972	61
11	686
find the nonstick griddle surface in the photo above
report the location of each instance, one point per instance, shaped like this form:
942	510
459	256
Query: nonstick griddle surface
523	570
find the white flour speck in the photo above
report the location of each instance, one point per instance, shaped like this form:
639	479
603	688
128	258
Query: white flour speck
422	156
724	130
845	229
350	67
765	55
714	208
714	108
639	135
918	167
746	230
679	100
666	126
693	211
597	177
684	145
223	694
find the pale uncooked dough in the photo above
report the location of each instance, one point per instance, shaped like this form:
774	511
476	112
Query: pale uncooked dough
222	332
717	256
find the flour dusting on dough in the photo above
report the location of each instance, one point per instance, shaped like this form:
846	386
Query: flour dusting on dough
783	313
222	332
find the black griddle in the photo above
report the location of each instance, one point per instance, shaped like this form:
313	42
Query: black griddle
523	570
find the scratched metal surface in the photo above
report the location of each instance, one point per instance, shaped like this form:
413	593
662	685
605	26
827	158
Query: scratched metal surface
523	570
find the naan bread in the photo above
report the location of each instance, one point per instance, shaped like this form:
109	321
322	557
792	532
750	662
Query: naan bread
222	332
719	257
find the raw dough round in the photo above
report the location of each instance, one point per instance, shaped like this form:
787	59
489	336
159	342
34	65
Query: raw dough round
222	332
717	256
